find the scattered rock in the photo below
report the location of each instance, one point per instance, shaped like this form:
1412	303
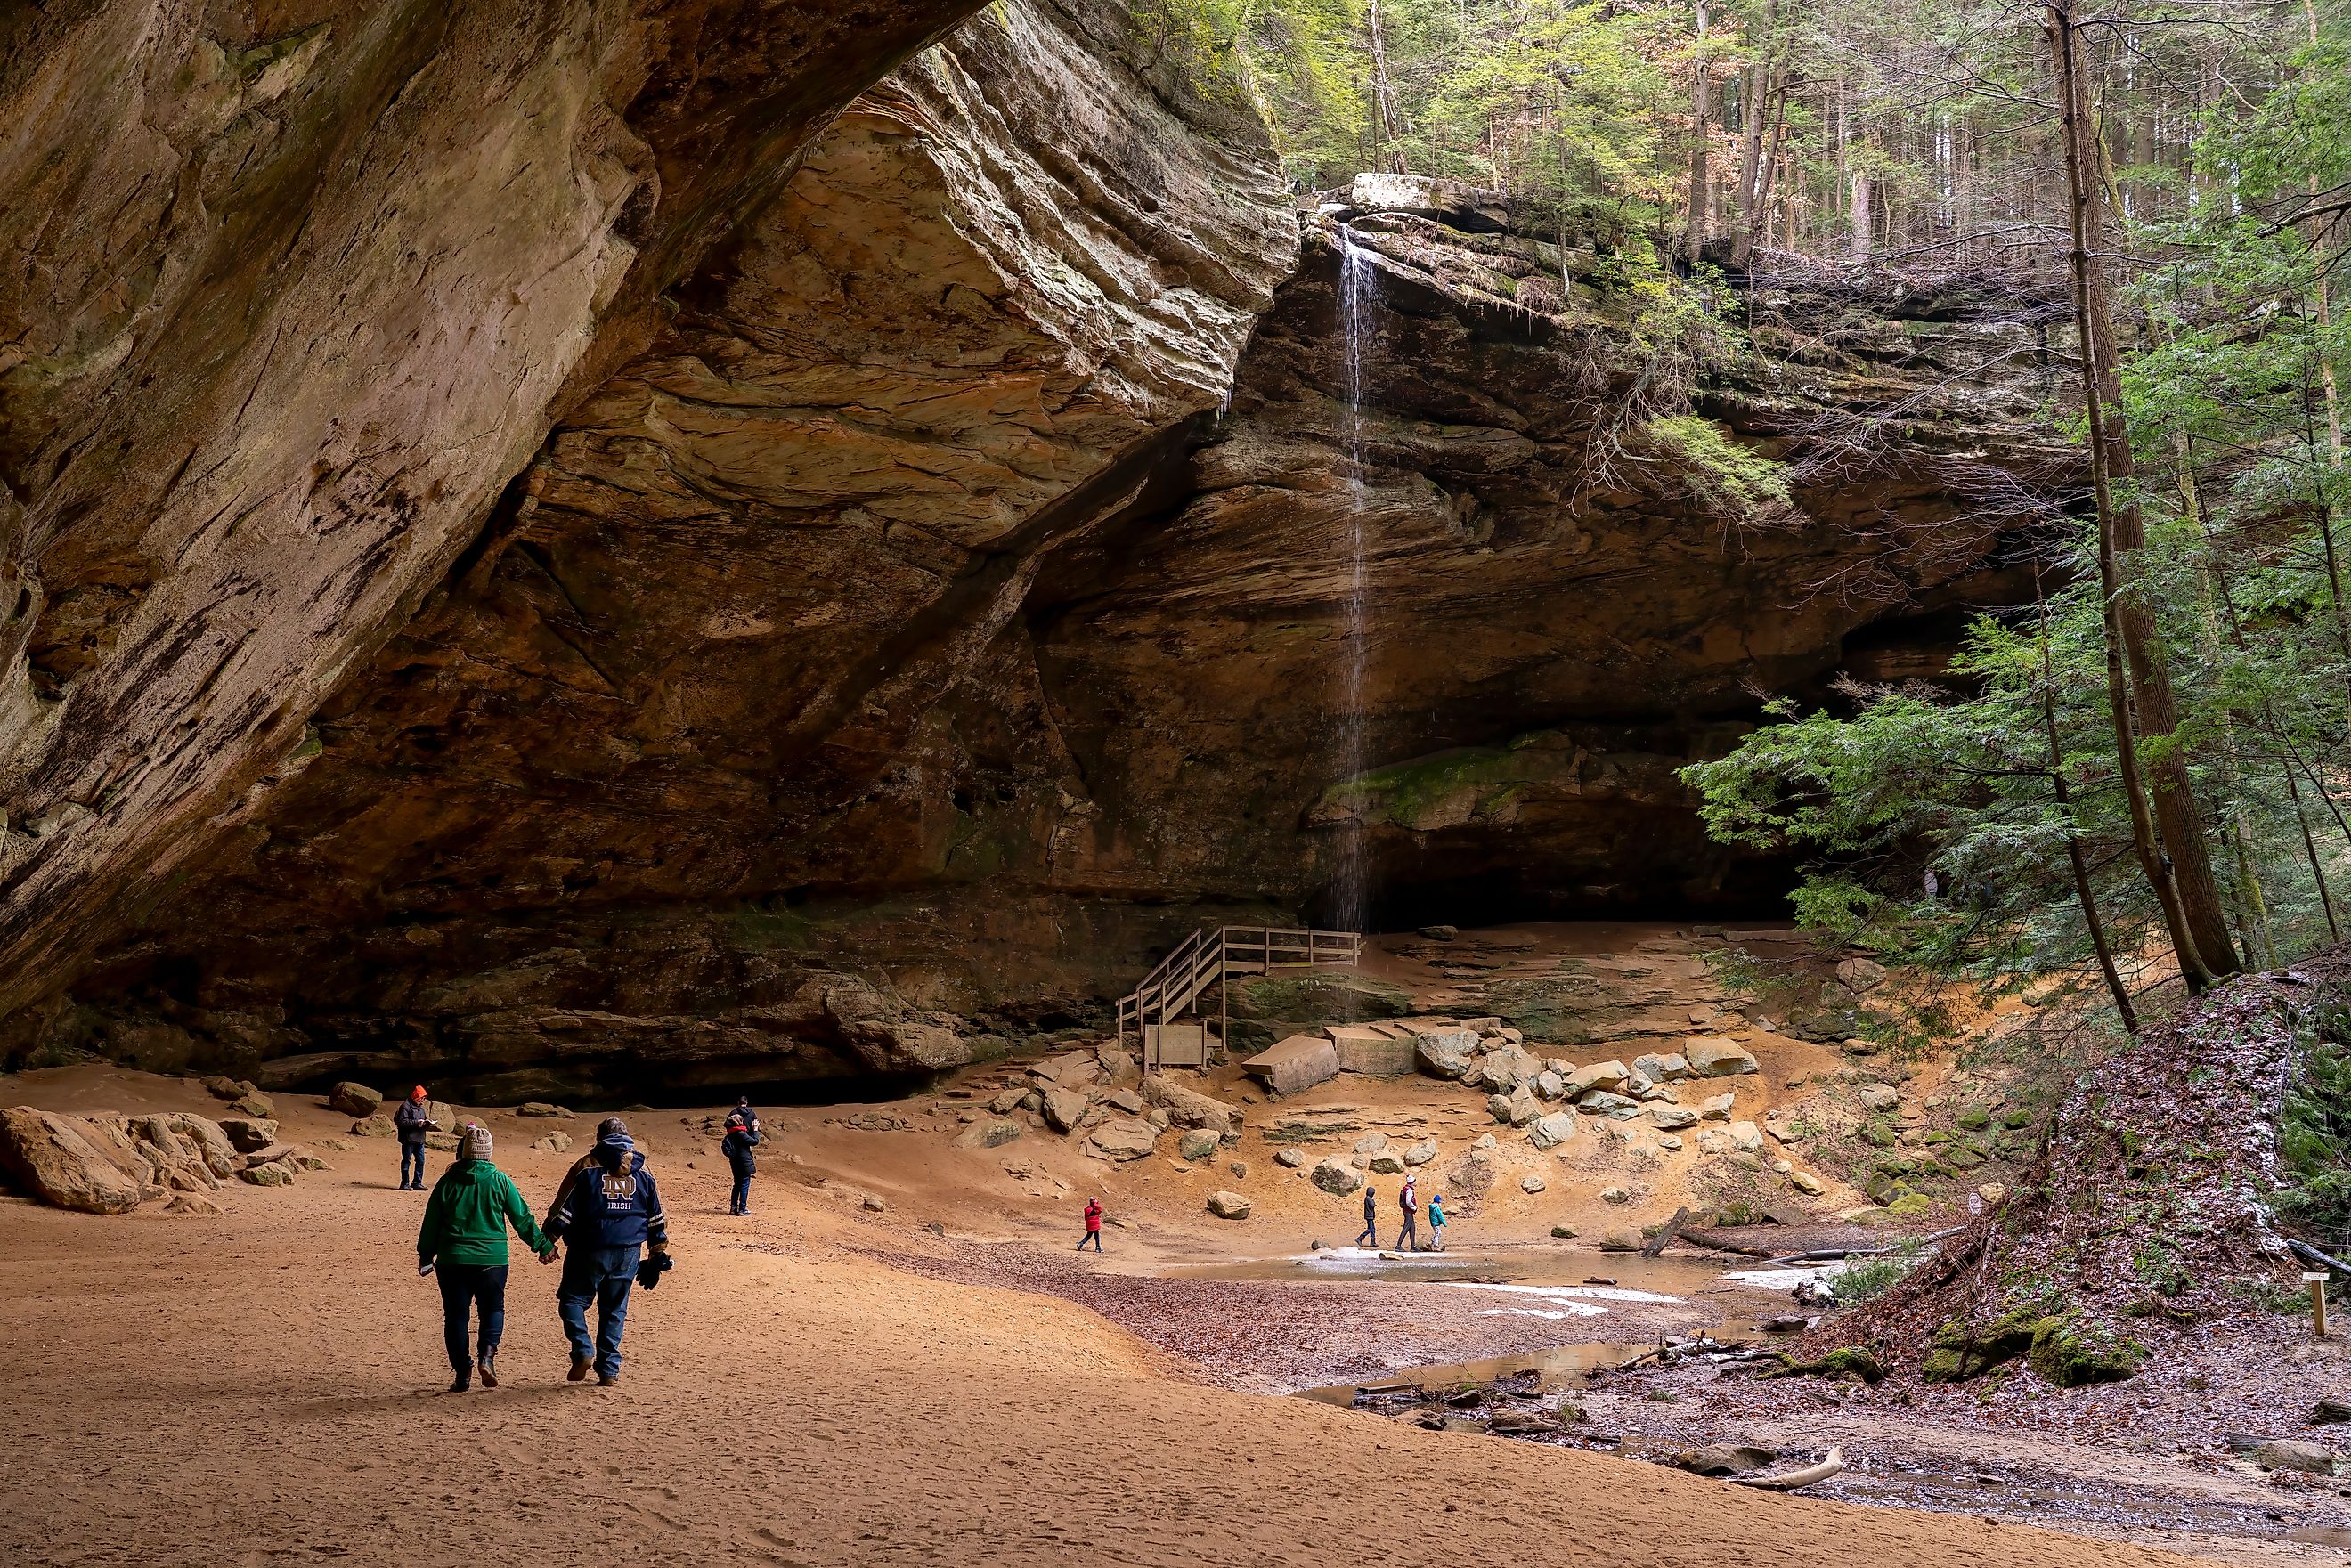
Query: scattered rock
57	1158
1717	1107
246	1134
1061	1109
221	1087
1228	1204
1007	1100
1126	1102
374	1128
1188	1107
1620	1242
1563	1232
1596	1075
541	1109
353	1100
1745	1137
1289	1159
1720	1459
1441	932
1199	1143
1336	1177
1499	1107
1712	1056
267	1176
1614	1195
1662	1069
2330	1412
1993	1194
1672	1118
1388	1162
254	1103
872	1205
1601	1103
1531	1183
1805	1183
1121	1139
1548	1085
191	1203
2295	1454
1861	975
1549	1131
1670	1144
1878	1096
1444	1053
558	1142
1239	1168
987	1134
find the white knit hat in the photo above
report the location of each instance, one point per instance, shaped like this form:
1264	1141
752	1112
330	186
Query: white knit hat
475	1142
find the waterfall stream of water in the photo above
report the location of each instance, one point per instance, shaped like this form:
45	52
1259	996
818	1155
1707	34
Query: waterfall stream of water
1358	297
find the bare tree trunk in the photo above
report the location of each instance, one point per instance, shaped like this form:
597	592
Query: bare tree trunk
1700	108
2182	878
1856	248
1754	175
1386	123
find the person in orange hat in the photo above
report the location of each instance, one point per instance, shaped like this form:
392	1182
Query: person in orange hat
411	1121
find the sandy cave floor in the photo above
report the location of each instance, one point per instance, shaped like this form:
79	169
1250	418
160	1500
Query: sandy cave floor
813	1385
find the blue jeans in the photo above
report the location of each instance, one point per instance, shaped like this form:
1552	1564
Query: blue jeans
462	1284
741	1202
603	1275
411	1158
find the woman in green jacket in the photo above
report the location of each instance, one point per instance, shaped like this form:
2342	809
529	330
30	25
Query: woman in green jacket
465	1237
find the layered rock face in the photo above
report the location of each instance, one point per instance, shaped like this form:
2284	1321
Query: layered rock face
993	566
289	292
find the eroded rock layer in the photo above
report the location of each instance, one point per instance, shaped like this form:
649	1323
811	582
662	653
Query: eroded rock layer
1029	537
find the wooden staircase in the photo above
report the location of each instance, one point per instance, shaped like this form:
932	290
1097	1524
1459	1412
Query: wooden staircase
1164	1013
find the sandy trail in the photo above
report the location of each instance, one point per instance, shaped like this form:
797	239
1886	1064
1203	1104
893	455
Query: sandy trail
264	1388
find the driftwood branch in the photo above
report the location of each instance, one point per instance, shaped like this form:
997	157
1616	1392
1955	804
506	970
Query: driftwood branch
1811	1475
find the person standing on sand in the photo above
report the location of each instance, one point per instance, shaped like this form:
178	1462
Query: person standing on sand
1436	1222
1370	1235
465	1237
1093	1225
411	1121
606	1211
742	1137
1409	1238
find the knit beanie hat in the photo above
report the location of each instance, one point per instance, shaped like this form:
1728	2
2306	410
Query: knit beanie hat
609	1126
475	1145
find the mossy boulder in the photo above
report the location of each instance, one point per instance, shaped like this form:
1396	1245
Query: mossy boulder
1849	1364
1957	1352
1318	996
2072	1351
1975	1118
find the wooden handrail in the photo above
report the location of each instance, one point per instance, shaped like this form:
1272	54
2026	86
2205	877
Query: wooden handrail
1209	955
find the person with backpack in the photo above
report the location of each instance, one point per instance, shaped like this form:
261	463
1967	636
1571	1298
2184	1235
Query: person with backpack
411	1120
1093	1225
742	1137
1437	1223
1370	1235
1408	1239
463	1237
607	1212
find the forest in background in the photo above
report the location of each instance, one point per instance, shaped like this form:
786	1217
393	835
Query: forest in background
2143	773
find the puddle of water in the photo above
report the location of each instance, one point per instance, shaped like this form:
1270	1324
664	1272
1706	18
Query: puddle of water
1555	1367
1674	1278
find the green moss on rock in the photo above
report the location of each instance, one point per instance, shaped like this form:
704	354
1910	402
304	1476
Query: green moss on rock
1318	995
2072	1351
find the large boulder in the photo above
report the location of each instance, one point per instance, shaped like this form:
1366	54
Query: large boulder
1122	1138
58	1159
358	1100
1861	975
1062	1108
1228	1204
1712	1056
1444	1053
1189	1107
1601	1103
1608	1075
1421	1153
211	1140
1199	1144
1549	1131
1299	1062
989	1134
1662	1068
1336	1177
1371	1052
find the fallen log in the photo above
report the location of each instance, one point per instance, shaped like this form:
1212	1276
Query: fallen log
1811	1475
1672	1228
1833	1254
2310	1254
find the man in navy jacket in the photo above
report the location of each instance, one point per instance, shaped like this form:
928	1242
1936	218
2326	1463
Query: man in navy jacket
608	1211
742	1137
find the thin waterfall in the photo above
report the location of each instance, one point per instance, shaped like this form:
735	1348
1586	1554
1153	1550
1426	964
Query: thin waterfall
1358	298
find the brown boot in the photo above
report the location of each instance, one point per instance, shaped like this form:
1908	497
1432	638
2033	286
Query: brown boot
488	1367
579	1372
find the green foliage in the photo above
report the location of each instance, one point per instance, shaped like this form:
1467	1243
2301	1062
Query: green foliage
1866	1278
1734	480
2315	1131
